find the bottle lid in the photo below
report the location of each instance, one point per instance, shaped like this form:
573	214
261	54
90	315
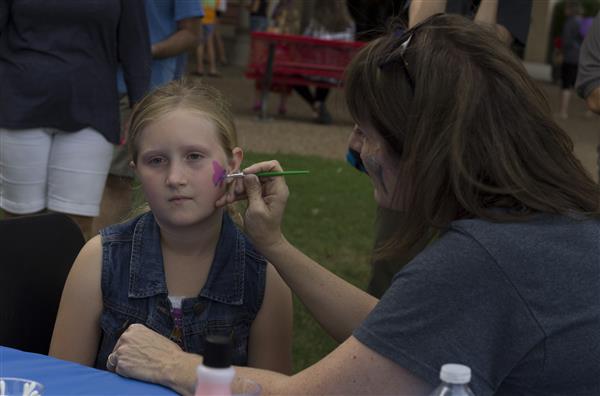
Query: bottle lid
217	351
455	373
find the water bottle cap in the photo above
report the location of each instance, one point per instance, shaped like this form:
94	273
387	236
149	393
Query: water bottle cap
455	374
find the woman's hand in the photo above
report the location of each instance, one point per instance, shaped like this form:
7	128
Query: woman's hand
142	354
266	203
145	355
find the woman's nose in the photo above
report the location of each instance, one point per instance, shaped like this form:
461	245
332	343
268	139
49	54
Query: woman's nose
355	141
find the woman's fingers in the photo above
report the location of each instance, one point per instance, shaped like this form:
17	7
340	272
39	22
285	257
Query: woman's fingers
266	166
236	191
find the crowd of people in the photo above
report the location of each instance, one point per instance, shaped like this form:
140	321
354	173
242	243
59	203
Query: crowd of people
487	245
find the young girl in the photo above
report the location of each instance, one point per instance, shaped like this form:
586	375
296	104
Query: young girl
182	269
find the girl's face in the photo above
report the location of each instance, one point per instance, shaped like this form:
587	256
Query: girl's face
382	165
181	165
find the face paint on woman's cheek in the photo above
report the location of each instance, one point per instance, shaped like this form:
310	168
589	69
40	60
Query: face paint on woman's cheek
376	171
219	173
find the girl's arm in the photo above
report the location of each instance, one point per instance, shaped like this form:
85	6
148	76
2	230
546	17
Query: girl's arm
270	345
77	328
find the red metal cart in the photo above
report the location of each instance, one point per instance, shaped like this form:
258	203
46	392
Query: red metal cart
283	59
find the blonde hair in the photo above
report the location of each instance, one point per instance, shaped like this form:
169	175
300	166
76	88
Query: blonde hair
183	94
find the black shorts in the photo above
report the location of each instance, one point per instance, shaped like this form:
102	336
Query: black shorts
568	75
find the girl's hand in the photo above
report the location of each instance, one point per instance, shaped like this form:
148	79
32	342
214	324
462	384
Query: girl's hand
266	203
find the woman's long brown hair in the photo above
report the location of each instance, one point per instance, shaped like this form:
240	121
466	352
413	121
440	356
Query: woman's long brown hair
473	135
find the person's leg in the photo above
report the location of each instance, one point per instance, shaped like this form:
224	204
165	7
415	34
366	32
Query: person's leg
323	115
117	201
118	195
568	77
77	171
283	98
321	94
210	52
257	96
565	96
24	158
219	45
200	50
305	94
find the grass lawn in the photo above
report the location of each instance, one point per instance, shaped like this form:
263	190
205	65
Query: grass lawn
330	218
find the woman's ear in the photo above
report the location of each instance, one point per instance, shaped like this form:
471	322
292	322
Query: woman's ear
237	155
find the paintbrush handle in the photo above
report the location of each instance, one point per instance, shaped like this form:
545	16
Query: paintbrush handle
271	174
282	173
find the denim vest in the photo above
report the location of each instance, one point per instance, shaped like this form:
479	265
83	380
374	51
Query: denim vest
134	288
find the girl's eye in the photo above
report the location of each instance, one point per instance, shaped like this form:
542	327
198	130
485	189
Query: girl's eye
155	161
195	156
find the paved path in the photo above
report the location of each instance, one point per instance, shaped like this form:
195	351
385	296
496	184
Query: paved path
295	133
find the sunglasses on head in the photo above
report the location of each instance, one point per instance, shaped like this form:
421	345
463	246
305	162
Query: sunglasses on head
396	54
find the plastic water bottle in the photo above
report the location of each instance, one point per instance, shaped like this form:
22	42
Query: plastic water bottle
455	381
215	374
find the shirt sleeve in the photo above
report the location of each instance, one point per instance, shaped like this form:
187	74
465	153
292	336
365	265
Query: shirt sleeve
588	73
134	48
188	9
452	304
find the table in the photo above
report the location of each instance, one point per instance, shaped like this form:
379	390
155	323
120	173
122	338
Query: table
61	377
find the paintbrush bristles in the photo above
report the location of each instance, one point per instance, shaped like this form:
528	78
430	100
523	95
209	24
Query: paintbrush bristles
235	174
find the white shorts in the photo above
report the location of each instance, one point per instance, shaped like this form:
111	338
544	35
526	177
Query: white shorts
46	168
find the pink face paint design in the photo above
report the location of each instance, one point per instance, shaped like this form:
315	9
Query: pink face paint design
219	173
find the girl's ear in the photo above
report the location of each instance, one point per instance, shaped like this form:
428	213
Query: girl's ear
132	166
236	158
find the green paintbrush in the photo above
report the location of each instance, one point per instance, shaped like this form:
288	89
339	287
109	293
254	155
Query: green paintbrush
270	174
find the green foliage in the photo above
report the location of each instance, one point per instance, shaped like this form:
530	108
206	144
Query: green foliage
329	217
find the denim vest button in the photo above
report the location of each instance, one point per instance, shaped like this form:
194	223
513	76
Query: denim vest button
163	309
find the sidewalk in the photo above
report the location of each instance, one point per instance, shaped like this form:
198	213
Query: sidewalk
295	133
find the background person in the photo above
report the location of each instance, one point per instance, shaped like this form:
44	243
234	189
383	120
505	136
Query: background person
219	45
517	213
59	104
588	75
330	20
206	44
182	268
570	45
259	22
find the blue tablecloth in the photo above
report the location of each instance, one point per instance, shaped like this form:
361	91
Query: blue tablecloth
60	377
